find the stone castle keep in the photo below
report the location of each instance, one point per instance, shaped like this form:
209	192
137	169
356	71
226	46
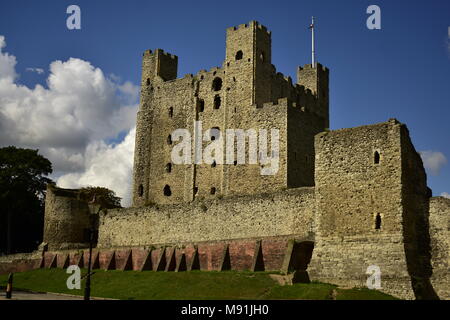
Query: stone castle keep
340	202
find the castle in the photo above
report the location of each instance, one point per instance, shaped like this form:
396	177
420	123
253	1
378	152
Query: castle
340	201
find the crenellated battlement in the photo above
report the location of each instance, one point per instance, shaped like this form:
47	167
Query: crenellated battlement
160	52
215	69
309	66
251	24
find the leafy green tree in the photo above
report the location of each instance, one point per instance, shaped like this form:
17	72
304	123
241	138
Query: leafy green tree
23	183
105	197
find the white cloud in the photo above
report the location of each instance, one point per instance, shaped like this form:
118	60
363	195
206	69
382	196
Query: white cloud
70	120
37	70
129	90
7	63
107	166
445	195
433	161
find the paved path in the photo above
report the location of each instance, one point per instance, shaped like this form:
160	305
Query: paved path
21	295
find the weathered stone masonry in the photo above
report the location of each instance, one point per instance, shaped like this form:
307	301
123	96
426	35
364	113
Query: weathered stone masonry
287	213
341	201
440	245
371	198
245	93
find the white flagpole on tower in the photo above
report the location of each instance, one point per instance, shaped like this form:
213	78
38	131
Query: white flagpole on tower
313	53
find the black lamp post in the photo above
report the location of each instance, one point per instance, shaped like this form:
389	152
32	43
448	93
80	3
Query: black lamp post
87	288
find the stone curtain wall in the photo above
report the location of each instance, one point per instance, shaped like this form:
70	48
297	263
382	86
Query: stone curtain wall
66	219
280	214
20	262
360	205
351	187
440	245
261	254
415	202
344	261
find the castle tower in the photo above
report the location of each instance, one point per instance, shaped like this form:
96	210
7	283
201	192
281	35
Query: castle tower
158	64
372	210
249	54
157	67
245	94
316	80
67	219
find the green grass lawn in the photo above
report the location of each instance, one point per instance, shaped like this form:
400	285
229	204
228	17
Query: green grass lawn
195	285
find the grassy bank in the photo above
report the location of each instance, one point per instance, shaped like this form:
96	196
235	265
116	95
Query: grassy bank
196	285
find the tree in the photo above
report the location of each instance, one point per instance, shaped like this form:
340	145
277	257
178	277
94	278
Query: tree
106	198
23	183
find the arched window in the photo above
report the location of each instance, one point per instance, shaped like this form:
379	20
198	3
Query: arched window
169	167
217	102
239	55
213	190
376	157
167	191
213	165
141	190
378	222
169	139
171	112
217	84
148	81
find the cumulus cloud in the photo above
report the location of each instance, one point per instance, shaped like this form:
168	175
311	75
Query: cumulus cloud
69	121
445	195
109	166
433	161
7	63
37	70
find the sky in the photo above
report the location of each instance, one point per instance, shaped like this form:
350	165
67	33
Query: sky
74	94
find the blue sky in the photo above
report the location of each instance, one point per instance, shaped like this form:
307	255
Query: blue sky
401	71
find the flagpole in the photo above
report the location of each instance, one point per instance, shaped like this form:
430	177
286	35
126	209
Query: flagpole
312	44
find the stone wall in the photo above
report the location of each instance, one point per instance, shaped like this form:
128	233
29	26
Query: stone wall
440	245
285	254
371	202
280	214
20	262
353	187
415	202
344	261
67	219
